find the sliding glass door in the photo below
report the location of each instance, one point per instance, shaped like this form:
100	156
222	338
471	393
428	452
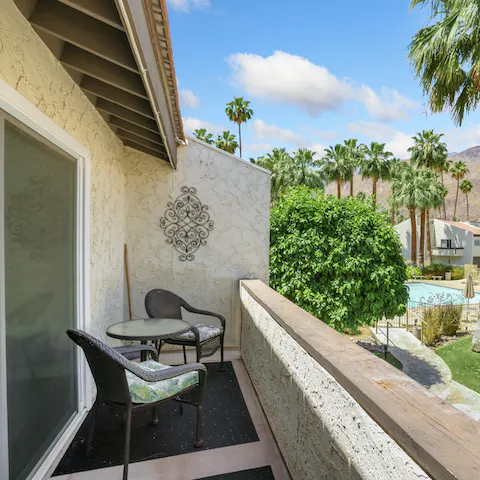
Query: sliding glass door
40	300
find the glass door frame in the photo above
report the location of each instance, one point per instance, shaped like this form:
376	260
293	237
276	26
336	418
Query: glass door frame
17	109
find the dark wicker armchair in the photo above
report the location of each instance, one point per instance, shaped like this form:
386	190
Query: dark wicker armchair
138	385
206	339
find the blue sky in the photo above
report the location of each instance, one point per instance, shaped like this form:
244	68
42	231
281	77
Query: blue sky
315	72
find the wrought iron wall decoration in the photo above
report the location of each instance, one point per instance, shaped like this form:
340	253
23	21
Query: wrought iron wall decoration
186	223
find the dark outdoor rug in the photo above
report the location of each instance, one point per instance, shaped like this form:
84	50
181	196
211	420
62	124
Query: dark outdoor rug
263	473
226	422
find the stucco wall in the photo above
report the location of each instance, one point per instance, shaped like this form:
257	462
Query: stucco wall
321	430
28	66
237	194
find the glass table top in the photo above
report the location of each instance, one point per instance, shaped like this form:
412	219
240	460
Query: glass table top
148	329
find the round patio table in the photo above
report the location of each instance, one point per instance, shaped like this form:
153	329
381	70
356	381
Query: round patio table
146	329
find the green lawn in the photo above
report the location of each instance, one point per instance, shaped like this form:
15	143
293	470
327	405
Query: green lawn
464	364
390	359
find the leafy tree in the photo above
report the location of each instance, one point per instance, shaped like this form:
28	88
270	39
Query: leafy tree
303	170
202	135
336	166
429	151
375	165
226	141
239	111
355	153
336	258
445	56
458	171
466	187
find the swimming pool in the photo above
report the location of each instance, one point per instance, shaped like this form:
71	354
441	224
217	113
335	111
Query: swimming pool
421	292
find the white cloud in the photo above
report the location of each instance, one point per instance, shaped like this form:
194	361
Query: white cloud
327	134
294	80
264	131
259	147
189	5
188	99
374	130
190	124
289	79
399	144
388	106
459	139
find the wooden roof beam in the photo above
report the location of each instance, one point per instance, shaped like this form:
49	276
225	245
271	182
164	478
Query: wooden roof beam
146	150
103	10
120	112
115	95
135	129
96	67
124	134
85	32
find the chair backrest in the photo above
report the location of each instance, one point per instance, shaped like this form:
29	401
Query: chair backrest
106	366
164	304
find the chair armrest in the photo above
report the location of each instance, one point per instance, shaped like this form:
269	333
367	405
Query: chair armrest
137	348
205	312
165	374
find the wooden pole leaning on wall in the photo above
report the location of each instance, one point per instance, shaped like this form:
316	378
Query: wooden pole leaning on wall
127	278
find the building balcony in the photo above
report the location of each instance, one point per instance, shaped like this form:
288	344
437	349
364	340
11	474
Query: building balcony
448	252
320	407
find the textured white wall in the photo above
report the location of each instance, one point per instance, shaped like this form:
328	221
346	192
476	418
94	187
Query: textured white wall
238	196
27	65
322	432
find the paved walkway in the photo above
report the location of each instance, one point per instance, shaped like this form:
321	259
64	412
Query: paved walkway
428	369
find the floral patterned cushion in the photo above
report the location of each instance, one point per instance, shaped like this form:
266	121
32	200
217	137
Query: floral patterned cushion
146	392
205	331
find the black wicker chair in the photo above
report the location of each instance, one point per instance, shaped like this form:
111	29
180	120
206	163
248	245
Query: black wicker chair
206	339
115	378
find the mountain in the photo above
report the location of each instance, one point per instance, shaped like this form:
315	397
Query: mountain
470	156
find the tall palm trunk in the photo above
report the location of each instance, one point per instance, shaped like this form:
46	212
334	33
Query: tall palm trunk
413	221
374	190
351	187
444	203
421	251
339	187
393	215
429	238
468	213
240	138
456	200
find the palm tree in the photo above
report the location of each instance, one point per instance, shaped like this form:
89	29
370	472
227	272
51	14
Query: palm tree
226	141
303	170
445	56
335	166
458	171
407	190
239	111
276	162
202	135
395	166
429	151
355	155
466	187
442	168
375	165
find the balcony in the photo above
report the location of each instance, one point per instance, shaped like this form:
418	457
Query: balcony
321	406
447	252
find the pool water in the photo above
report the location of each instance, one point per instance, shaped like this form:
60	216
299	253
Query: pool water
421	292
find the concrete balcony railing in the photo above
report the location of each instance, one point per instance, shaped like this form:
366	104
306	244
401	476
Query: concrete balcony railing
447	252
337	411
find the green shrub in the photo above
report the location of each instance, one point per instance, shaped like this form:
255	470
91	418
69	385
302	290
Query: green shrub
457	273
441	320
338	259
436	269
412	270
432	329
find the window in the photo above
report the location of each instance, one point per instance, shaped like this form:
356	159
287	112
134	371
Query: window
477	243
446	243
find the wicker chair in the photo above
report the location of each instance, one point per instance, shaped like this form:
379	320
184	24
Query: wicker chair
139	385
206	339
